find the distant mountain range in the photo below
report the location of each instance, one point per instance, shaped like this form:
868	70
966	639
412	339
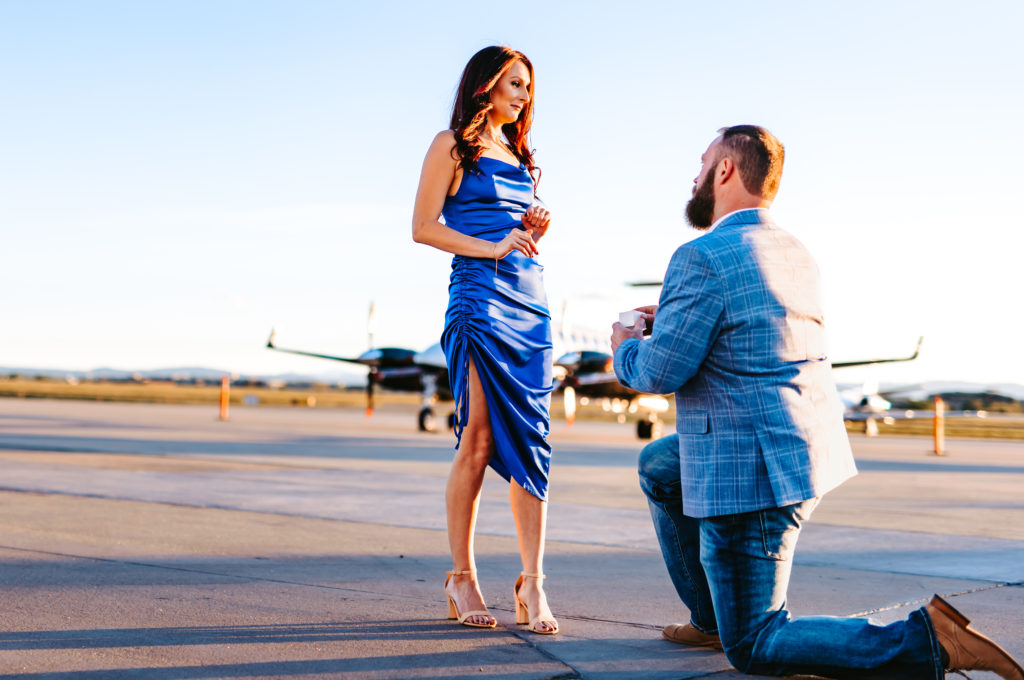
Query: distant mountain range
353	378
183	373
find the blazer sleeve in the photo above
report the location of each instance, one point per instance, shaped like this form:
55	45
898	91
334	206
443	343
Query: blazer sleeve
686	325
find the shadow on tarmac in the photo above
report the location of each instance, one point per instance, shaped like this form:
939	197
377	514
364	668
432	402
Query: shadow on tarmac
470	660
409	629
340	447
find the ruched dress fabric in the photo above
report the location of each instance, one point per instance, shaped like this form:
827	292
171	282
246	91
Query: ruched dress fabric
498	318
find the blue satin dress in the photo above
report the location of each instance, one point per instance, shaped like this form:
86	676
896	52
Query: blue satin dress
498	318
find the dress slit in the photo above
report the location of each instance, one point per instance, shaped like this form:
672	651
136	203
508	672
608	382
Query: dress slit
499	454
497	318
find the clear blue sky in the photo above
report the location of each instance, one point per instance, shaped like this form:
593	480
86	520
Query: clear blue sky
176	178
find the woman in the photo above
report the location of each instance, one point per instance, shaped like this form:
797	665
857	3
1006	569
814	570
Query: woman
497	335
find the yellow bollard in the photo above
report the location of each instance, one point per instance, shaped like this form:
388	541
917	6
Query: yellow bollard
225	395
939	427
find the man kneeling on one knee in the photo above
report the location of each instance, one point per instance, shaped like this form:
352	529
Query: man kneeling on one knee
738	335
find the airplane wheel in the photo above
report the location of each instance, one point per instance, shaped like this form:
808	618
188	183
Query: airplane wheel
644	429
451	421
427	421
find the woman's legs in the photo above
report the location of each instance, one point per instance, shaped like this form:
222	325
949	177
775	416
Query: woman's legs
531	514
462	497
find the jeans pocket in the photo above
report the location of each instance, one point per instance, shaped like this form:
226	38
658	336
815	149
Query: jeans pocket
780	527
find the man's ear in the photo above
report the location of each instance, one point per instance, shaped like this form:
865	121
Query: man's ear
724	171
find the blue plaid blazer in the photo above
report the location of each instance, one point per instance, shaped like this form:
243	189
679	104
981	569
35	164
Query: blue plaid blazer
739	337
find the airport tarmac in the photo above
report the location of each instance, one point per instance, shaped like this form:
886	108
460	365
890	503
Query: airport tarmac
146	541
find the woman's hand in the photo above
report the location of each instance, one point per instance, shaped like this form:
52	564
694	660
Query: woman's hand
517	239
538	219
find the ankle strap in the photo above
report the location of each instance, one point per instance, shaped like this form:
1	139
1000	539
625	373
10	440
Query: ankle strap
539	577
456	572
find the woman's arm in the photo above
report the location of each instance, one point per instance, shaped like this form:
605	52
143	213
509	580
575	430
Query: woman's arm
439	170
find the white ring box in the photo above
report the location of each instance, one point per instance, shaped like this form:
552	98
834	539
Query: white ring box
629	319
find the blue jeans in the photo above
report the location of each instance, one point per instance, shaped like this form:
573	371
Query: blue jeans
732	573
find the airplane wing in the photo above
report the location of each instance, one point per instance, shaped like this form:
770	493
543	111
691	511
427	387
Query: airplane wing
351	360
868	362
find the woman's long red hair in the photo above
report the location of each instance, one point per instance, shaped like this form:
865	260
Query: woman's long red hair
473	101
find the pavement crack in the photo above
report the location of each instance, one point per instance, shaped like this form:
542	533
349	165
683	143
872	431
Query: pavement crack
593	619
528	641
922	601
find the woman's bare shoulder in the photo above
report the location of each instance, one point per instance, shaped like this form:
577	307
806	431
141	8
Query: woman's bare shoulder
445	139
443	146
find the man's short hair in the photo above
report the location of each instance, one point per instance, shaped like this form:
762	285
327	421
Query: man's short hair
758	155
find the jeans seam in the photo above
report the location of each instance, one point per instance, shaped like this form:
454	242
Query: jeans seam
682	562
933	641
689	576
764	533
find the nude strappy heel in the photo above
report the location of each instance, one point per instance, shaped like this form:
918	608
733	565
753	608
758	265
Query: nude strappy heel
523	614
453	609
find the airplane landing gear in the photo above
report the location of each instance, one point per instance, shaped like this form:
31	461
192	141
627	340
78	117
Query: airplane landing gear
427	421
649	428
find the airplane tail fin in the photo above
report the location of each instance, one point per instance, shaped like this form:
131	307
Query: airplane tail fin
371	324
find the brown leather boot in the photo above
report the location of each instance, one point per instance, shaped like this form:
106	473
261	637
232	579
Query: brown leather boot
967	649
688	634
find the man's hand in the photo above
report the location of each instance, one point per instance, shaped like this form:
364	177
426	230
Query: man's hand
620	333
648	311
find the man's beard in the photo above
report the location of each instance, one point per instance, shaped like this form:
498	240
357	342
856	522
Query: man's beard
700	210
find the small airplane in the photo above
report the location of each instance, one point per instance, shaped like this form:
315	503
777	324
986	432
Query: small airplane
866	403
399	369
588	375
868	400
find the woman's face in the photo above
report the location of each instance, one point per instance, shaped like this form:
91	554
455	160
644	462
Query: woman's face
510	94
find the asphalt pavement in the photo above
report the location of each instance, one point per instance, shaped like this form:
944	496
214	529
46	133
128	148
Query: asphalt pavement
147	541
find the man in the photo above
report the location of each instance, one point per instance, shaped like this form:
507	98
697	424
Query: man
738	335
